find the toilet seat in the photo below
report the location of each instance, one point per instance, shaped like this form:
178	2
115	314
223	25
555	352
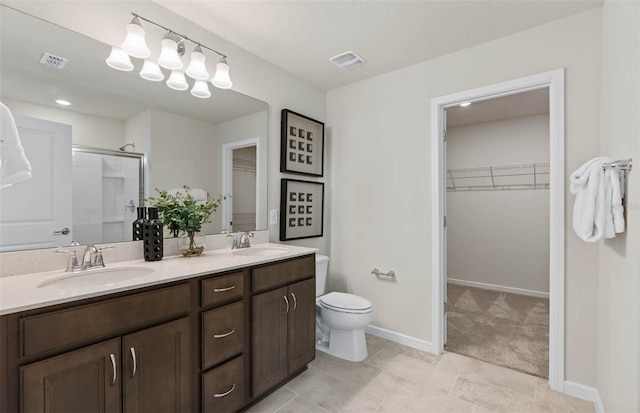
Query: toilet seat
345	303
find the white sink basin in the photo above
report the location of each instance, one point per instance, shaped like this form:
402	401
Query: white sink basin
92	278
260	251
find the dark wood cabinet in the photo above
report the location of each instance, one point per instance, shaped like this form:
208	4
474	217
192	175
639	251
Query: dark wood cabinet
156	369
283	323
215	343
85	380
150	374
270	338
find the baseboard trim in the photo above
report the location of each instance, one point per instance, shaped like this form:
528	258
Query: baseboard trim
500	288
400	338
584	392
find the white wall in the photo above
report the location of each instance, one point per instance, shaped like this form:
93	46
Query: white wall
182	153
87	130
380	168
619	279
251	75
499	237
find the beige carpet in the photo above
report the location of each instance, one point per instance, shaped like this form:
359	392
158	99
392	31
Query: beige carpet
510	330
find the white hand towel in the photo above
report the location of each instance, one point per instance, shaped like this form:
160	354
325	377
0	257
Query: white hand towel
589	186
14	165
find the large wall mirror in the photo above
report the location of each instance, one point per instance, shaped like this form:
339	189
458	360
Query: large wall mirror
117	122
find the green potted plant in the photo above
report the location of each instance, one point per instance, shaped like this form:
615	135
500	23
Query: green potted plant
182	213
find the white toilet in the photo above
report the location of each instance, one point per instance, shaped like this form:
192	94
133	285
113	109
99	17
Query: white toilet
340	319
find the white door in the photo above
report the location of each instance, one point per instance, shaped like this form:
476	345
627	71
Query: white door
37	213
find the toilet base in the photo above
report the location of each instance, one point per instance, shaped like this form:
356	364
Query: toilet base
348	345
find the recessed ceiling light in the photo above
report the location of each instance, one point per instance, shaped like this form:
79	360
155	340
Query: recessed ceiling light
465	104
63	102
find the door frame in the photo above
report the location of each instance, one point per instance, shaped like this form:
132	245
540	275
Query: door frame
554	81
227	179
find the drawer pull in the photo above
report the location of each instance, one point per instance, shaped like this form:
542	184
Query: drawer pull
228	333
218	395
286	300
222	290
113	364
295	302
135	363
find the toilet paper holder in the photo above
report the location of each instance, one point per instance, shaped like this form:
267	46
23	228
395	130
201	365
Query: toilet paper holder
377	273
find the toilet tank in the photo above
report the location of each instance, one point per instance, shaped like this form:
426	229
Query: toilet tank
322	264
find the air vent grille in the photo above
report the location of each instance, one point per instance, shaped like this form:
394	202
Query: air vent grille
54	61
347	60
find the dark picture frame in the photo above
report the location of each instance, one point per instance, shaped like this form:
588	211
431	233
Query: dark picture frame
301	209
301	144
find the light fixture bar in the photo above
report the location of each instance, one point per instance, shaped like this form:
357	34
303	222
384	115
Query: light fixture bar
180	35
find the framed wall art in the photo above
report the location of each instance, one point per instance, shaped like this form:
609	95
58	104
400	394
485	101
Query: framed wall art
301	209
301	144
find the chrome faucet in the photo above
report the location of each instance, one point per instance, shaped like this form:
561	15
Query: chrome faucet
244	239
92	257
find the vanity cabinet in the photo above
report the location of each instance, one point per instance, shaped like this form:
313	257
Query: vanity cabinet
283	322
212	343
150	374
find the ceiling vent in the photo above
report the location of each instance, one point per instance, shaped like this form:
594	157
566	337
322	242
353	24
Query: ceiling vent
54	61
347	60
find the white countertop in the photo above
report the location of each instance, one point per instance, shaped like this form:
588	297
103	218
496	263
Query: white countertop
26	292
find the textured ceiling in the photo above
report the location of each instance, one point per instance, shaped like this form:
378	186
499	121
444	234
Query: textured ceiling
301	36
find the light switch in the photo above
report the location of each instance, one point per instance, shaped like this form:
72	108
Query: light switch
273	217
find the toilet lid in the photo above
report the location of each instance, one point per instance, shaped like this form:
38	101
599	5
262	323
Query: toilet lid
343	301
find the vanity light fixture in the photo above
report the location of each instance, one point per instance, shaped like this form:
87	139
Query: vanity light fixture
119	60
173	48
464	104
134	44
63	102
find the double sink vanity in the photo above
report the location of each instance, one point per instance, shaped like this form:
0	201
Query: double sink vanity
208	334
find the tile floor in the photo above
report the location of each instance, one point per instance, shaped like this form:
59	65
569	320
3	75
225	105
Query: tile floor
395	378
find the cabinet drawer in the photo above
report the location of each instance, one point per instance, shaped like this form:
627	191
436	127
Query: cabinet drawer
275	275
223	387
222	333
219	289
61	329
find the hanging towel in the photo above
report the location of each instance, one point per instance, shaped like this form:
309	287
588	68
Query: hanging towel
617	177
14	165
589	185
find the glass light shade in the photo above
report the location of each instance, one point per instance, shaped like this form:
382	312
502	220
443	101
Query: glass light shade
169	58
221	79
151	71
197	69
134	44
200	89
177	81
119	60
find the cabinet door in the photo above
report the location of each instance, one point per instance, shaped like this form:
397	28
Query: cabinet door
269	344
302	324
85	380
156	369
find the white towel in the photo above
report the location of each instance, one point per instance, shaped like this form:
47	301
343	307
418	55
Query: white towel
589	211
14	165
617	190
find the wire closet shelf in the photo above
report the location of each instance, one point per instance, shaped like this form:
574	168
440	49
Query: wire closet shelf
502	177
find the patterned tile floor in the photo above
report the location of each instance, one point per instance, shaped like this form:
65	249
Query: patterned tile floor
395	378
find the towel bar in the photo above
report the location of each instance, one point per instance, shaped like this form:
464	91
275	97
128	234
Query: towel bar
377	273
624	164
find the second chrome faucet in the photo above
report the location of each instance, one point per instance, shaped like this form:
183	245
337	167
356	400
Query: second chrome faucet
242	240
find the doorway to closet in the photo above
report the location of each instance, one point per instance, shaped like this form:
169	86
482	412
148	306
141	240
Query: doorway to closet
553	81
497	249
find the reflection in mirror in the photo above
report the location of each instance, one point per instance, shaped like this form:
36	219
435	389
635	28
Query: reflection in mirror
185	140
